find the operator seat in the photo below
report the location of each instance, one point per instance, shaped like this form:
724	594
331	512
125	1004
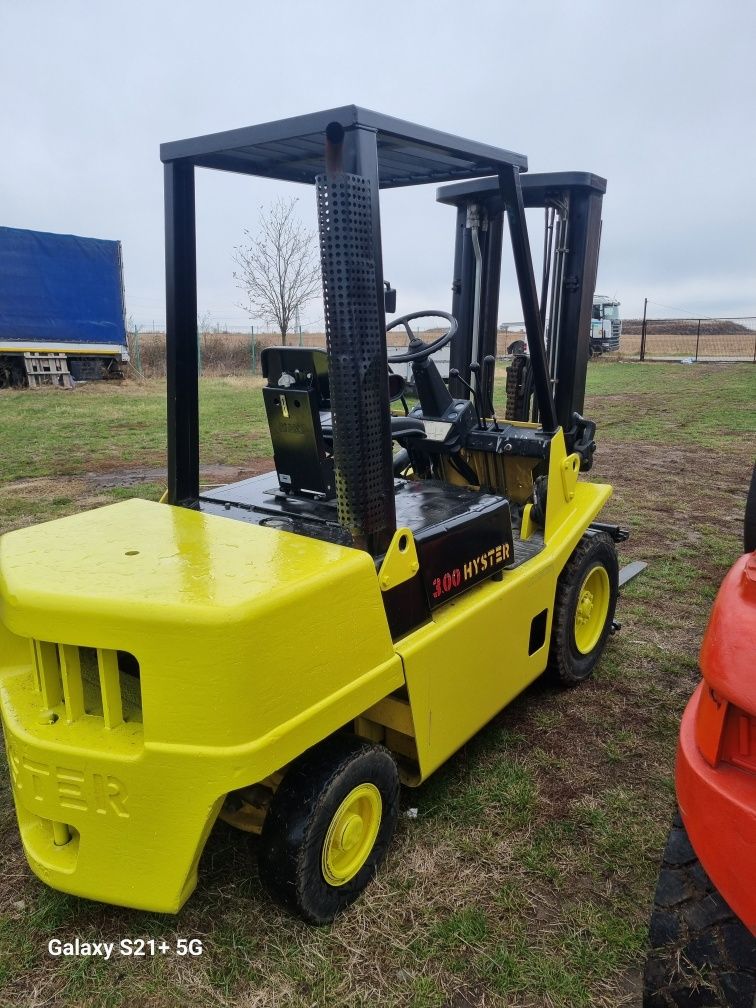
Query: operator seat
401	427
298	406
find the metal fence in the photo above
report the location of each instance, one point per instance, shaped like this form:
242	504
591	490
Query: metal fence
228	352
695	339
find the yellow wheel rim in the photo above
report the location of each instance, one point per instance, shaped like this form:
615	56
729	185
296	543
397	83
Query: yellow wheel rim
592	609
351	835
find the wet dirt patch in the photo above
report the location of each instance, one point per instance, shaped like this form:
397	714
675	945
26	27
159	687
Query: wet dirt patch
214	475
26	501
111	478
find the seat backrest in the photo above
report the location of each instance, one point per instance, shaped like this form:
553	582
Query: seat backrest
297	368
295	396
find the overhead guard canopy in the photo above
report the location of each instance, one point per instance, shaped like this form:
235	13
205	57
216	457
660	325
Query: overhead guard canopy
378	151
535	188
293	150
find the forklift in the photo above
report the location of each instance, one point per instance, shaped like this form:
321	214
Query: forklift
284	651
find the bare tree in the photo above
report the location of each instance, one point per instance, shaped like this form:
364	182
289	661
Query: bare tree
278	267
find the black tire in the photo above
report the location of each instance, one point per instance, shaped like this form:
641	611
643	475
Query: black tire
567	663
303	808
701	955
519	388
749	530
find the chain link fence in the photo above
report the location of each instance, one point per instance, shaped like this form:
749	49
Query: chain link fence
229	352
695	339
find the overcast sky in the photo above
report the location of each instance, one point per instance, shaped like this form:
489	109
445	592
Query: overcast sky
658	97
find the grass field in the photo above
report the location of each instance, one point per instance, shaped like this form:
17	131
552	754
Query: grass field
526	877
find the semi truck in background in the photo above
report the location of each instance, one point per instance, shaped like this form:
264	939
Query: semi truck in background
62	315
606	325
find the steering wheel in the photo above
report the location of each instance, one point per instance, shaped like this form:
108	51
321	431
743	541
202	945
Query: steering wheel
417	350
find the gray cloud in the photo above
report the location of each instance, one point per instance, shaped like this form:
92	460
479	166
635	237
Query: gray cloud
657	97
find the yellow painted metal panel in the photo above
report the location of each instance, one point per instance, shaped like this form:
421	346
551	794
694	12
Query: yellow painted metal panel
392	713
467	664
253	645
472	659
35	676
73	689
527	526
563	486
112	711
48	670
400	562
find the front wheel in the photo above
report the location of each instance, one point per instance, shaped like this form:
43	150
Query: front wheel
586	598
329	827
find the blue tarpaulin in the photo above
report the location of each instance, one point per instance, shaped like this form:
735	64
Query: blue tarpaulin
60	288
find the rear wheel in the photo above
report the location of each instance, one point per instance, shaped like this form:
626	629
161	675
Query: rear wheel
329	827
701	955
586	598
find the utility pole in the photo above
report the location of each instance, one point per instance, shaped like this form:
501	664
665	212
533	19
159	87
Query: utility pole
643	331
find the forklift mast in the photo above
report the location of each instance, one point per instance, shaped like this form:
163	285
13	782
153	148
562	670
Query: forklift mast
558	339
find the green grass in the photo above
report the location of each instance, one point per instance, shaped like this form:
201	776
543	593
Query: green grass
98	427
693	404
700	404
52	432
526	878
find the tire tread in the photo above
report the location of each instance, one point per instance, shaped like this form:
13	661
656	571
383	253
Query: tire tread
561	663
287	857
700	955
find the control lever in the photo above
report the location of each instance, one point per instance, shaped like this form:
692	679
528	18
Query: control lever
454	373
480	401
489	363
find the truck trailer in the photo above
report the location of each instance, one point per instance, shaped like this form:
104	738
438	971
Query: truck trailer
61	309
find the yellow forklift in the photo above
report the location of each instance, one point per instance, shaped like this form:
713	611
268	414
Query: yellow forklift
283	651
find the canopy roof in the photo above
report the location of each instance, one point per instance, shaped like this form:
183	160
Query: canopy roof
294	150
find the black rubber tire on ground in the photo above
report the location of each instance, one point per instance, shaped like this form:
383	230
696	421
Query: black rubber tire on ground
303	807
701	955
567	664
749	531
